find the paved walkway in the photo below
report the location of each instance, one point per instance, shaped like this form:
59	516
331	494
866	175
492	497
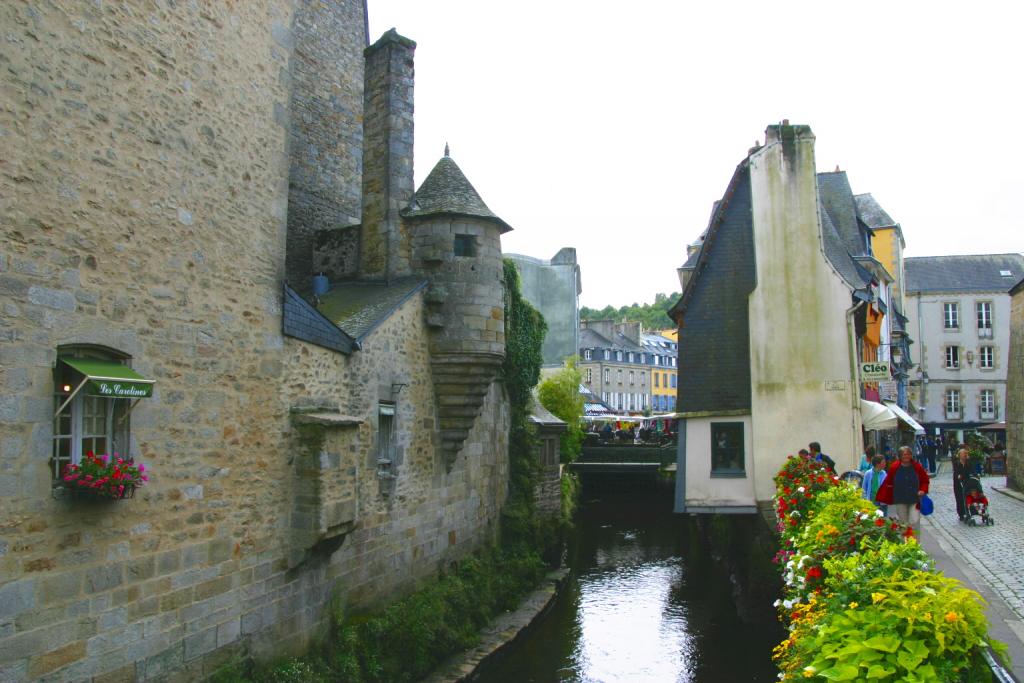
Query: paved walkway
988	559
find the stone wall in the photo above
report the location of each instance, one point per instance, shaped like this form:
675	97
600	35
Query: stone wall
324	117
1015	392
146	185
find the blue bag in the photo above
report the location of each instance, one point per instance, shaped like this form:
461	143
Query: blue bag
927	506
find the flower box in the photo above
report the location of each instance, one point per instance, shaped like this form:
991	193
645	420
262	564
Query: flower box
103	477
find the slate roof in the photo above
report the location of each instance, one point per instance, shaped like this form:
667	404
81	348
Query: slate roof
542	416
447	191
589	339
358	307
974	273
871	212
836	252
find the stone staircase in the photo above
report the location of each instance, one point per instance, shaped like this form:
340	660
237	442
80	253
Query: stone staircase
461	383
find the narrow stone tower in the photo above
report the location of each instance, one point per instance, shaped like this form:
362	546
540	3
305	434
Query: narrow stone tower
456	244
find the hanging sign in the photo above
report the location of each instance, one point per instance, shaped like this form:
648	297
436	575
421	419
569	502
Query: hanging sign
875	371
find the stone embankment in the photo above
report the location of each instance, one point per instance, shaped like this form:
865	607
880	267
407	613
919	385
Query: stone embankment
502	632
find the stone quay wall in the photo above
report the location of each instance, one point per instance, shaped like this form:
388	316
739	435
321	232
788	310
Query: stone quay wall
145	202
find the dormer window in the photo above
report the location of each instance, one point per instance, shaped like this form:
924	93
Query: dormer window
465	245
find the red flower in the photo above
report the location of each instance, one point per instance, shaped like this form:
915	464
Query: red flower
908	533
880	521
813	573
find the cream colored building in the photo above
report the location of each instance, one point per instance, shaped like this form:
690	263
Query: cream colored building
775	299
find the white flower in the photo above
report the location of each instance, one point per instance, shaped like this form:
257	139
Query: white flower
800	489
776	603
879	513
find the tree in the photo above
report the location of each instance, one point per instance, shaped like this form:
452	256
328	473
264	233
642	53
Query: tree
560	394
653	316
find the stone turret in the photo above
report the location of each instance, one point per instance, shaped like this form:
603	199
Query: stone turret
456	244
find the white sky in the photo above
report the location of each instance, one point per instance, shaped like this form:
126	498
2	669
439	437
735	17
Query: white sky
612	127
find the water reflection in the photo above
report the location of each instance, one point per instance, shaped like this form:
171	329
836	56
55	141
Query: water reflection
644	605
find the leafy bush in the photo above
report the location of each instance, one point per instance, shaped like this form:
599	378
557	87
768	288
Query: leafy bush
861	600
560	393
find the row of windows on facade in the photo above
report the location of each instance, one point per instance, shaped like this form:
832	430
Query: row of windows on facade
630	357
986	357
661	379
983	316
987	408
620	400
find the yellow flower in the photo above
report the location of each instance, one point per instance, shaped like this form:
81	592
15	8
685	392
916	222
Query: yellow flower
927	616
877	598
809	671
853	605
952	616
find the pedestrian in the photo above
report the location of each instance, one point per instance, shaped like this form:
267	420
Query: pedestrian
930	454
905	483
866	459
962	471
816	454
873	480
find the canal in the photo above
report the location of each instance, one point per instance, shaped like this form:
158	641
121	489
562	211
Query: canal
645	603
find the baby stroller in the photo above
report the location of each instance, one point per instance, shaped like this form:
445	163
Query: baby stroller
976	504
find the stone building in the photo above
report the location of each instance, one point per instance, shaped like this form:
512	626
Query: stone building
959	310
1015	391
553	286
614	364
173	178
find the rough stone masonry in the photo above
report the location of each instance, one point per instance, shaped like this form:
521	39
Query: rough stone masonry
164	168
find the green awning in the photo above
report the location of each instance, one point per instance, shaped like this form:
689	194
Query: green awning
111	379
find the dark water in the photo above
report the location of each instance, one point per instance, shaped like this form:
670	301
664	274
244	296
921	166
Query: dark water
645	604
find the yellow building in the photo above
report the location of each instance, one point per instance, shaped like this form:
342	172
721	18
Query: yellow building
663	351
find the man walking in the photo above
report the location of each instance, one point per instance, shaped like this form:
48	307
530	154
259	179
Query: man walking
904	485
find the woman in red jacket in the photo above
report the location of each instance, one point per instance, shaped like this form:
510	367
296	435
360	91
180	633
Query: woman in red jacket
905	482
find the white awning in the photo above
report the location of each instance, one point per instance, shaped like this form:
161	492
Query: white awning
905	417
875	416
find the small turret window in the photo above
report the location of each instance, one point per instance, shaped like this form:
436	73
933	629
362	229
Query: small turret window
465	245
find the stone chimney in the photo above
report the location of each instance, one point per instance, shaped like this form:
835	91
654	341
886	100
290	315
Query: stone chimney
384	246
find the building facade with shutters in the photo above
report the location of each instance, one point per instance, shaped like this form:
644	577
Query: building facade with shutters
959	316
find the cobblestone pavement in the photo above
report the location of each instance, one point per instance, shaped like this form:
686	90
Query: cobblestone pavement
995	552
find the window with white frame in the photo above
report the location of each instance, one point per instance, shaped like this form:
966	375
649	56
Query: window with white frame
607	376
952	403
673	359
987	404
643	357
984	309
631	357
656	378
84	419
673	378
952	357
619	375
657	359
618	356
951	315
607	354
590	375
631	378
987	357
587	354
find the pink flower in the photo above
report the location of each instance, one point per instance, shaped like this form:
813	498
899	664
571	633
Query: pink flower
145	478
142	468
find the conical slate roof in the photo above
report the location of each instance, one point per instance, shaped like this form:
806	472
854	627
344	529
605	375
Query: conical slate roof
447	191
